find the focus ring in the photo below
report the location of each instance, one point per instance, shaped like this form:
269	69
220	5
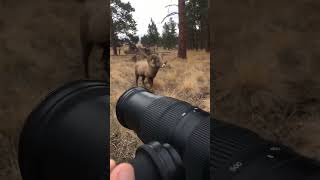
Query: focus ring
166	111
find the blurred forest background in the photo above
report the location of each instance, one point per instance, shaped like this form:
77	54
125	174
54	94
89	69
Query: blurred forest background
39	51
266	66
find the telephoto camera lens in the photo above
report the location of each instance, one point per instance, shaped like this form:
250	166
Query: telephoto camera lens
67	135
168	121
240	154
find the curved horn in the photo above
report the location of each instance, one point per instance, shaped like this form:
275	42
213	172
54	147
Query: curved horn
149	58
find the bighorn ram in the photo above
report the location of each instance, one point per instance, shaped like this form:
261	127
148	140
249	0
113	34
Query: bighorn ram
94	31
148	69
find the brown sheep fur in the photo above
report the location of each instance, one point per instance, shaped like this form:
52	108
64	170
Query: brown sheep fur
148	69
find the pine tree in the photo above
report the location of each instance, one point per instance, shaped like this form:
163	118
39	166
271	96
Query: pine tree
198	27
169	35
165	36
182	50
152	38
123	26
145	41
153	34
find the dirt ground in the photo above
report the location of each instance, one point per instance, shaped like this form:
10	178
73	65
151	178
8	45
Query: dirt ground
39	51
185	80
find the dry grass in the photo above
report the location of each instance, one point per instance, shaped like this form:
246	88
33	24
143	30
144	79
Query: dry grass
39	51
185	80
276	102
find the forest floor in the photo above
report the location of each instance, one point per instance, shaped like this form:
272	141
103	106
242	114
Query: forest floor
277	98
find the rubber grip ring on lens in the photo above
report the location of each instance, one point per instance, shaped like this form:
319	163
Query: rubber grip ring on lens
167	160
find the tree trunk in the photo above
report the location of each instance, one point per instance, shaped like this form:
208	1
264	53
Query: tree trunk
210	32
209	38
197	39
114	47
113	40
182	50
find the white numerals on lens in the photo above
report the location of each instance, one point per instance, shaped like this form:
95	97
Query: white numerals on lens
235	166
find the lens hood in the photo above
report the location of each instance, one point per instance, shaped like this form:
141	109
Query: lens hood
66	136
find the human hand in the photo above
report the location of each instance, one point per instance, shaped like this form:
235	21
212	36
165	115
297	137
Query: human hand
123	171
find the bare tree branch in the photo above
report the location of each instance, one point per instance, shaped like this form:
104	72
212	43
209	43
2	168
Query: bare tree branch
171	5
170	14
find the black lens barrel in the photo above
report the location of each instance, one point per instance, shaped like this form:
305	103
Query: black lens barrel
133	101
240	154
168	120
65	137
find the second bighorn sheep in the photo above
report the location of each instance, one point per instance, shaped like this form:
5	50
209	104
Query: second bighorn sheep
148	69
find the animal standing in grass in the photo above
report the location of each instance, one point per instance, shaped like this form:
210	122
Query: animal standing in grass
148	69
94	31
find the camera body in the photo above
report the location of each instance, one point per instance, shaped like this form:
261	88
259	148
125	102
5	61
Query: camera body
240	154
